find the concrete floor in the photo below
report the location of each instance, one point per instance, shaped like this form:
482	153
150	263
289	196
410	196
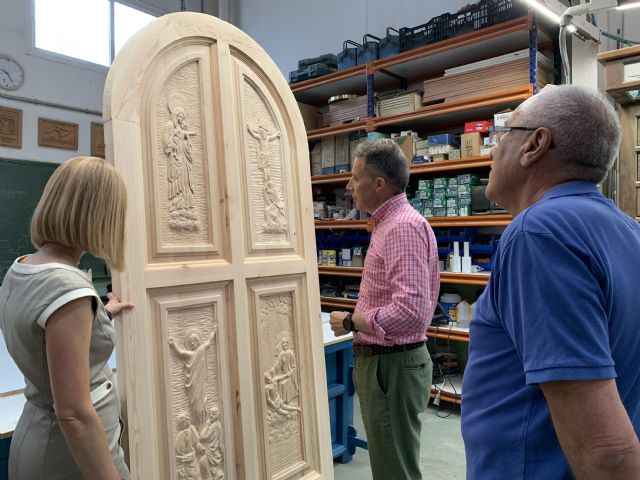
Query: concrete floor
442	452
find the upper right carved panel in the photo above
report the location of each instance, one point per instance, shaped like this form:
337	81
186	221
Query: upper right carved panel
269	193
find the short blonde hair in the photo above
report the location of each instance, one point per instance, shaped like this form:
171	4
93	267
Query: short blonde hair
83	206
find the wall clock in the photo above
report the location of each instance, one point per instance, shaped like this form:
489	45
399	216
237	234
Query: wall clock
11	73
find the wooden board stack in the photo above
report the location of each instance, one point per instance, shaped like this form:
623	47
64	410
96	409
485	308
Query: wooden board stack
346	111
483	81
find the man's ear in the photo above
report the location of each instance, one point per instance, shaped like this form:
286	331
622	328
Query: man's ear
535	147
380	183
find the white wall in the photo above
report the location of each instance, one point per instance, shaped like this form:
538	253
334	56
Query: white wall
57	79
290	30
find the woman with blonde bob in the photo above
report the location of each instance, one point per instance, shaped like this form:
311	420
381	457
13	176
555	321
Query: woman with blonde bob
59	333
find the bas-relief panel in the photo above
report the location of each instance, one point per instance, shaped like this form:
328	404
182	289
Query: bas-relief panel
281	375
268	202
182	174
195	392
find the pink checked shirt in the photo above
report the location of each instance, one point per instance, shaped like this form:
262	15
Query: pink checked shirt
401	279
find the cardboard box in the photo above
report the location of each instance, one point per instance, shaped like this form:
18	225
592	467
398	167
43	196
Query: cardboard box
501	117
407	144
441	157
342	153
444	139
316	160
309	116
470	144
454	154
481	126
328	155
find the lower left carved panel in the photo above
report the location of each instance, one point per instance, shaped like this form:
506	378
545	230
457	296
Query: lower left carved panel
193	324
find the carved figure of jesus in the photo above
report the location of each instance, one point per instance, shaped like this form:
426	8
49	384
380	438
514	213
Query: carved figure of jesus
195	371
263	137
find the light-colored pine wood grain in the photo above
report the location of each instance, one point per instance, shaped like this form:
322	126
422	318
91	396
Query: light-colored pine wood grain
167	272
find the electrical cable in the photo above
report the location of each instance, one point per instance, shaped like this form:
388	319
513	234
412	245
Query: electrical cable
620	39
445	377
566	66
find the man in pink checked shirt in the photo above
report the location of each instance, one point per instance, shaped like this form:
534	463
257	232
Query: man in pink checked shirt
398	295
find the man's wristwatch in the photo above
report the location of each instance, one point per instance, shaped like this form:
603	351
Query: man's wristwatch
347	323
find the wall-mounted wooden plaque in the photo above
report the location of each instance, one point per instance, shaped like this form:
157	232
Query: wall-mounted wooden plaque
10	127
97	139
57	134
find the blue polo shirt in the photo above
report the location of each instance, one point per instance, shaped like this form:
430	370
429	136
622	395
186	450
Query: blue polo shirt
563	303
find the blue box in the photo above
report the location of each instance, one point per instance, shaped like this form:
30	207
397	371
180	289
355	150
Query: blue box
444	139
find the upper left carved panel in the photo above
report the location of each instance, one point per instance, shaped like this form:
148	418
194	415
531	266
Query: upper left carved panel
185	165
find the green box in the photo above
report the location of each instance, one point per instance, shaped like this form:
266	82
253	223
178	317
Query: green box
439	203
425	184
424	194
427	212
468	179
416	203
464	200
451	192
439	212
464	211
464	190
439	193
452	182
452	212
452	202
440	182
428	202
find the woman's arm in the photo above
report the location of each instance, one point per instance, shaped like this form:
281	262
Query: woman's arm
68	334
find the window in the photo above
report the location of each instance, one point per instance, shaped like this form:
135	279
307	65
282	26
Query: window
81	28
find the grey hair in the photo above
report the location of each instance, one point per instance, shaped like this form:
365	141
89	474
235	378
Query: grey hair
384	158
584	126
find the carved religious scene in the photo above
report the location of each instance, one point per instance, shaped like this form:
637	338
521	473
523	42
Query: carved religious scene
265	169
184	196
180	188
281	377
199	434
274	217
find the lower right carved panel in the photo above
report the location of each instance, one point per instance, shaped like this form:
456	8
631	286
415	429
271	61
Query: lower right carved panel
283	404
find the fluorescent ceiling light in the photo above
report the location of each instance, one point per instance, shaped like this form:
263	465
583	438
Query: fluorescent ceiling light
628	6
547	12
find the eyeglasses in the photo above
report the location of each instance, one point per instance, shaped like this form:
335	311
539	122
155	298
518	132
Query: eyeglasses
499	132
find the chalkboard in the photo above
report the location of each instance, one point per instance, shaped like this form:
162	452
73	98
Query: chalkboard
21	185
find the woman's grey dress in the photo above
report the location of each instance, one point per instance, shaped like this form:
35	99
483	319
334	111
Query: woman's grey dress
28	297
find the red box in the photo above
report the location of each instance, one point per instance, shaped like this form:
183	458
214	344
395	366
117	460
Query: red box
478	127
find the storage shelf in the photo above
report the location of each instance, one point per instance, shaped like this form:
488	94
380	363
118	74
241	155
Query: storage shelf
445	277
475	46
417	64
338	302
355	126
464	278
456	113
343	224
461	164
447	397
472	221
316	91
355	272
449	333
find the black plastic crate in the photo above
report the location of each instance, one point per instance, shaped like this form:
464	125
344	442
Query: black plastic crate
485	13
435	30
328	59
492	12
312	71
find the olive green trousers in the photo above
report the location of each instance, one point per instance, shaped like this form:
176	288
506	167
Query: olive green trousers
393	388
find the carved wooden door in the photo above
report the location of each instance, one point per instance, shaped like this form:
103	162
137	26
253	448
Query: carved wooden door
221	361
